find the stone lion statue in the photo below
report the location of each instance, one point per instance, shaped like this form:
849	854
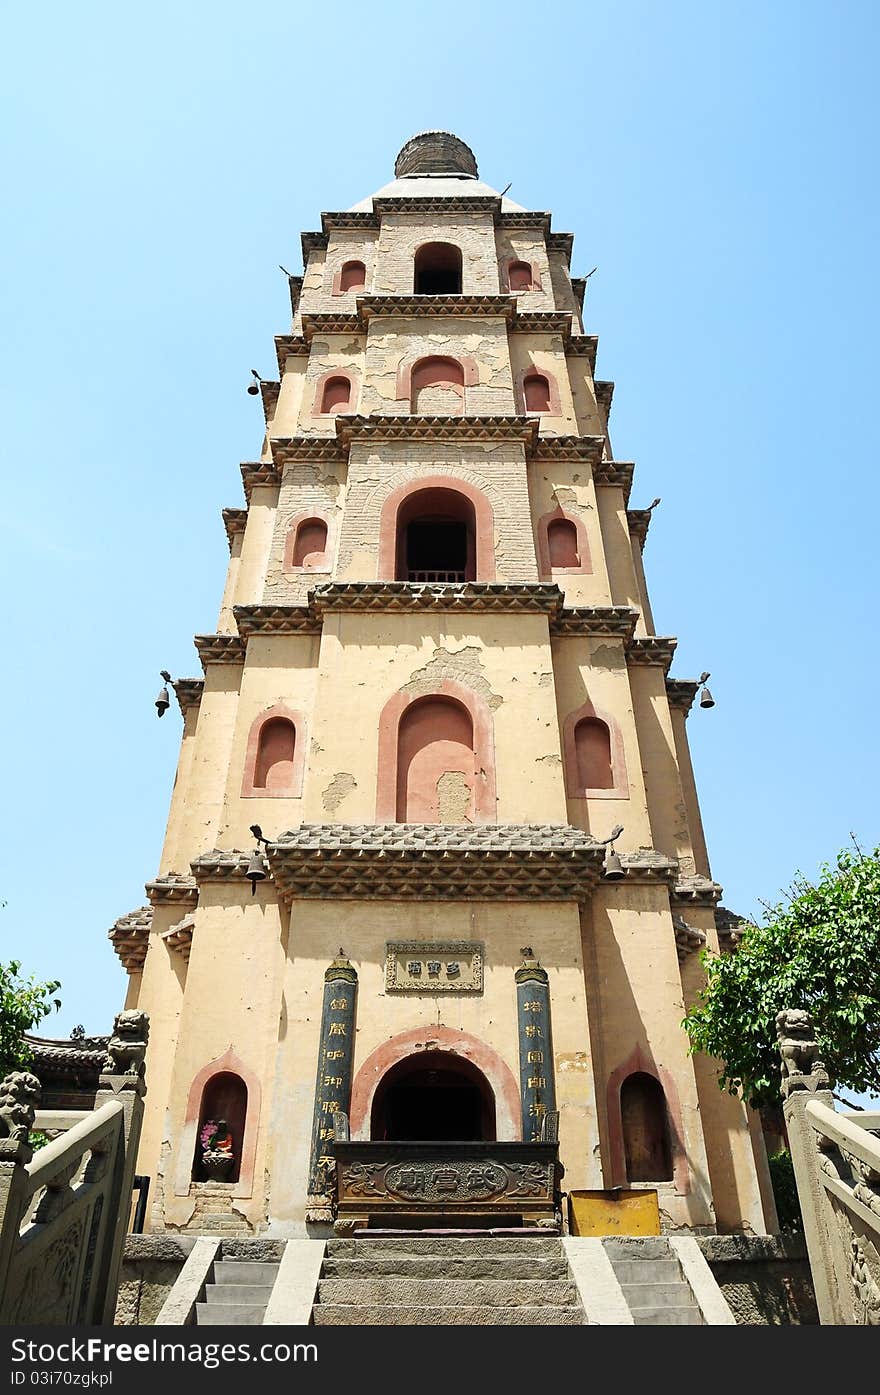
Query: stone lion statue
19	1096
799	1049
128	1044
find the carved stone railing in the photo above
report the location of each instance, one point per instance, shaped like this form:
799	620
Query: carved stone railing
64	1212
478	1183
837	1169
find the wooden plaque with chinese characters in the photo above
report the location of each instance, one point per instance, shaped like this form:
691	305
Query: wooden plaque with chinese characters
433	968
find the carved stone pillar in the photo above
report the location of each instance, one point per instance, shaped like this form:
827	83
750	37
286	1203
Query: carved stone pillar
332	1082
536	1080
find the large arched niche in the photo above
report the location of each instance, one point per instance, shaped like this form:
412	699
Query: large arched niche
433	1096
484	803
423	1043
229	1062
397	505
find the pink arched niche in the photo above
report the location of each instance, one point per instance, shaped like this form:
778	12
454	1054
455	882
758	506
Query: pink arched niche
351	276
619	789
553	409
332	374
508	1122
513	275
638	1061
545	561
232	1064
293	781
468	365
322	562
388	782
484	524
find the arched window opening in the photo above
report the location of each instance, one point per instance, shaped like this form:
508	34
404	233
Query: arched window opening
336	396
437	387
310	545
592	744
437	269
436	1096
224	1104
353	277
536	391
436	537
562	543
274	764
645	1126
519	276
436	766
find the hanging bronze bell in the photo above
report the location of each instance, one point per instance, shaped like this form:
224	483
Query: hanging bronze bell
253	389
613	866
706	698
257	870
163	702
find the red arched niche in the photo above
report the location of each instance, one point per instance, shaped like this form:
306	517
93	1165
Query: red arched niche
402	506
440	736
437	387
407	368
334	393
436	537
351	276
538	392
308	539
574	546
227	1064
638	1062
275	756
436	772
412	1045
581	755
224	1101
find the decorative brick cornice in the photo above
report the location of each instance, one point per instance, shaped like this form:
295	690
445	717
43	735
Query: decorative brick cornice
173	887
275	619
604	395
329	322
639	521
730	927
561	242
579	286
257	472
221	865
423	428
290	346
310	242
219	649
508	597
618	474
544	322
431	306
688	940
681	693
130	935
648	865
585	449
295	285
525	218
234	521
617	621
269	392
584	346
179	937
696	891
349	218
651	650
188	692
290	450
456	203
436	862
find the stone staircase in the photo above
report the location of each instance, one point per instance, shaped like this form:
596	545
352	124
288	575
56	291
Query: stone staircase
238	1294
441	1280
653	1284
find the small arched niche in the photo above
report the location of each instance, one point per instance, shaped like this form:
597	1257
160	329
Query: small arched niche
276	753
224	1100
436	765
352	277
436	537
433	1096
645	1127
519	276
592	745
437	269
335	395
562	545
536	392
437	387
309	543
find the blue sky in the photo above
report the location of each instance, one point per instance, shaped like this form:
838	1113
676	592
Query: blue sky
716	162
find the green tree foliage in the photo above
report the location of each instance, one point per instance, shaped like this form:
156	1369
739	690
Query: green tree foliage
23	1005
821	951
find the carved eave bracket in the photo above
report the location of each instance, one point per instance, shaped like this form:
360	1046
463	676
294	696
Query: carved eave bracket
639	521
585	450
290	346
617	621
291	450
681	693
269	392
688	940
221	865
294	285
173	887
730	927
275	619
178	937
188	692
235	522
219	649
616	474
130	935
436	862
604	396
658	650
697	891
258	472
647	865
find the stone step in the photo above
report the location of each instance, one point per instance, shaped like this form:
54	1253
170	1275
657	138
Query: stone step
443	1293
667	1316
651	1295
637	1247
391	1315
655	1271
244	1271
447	1267
379	1247
238	1293
230	1314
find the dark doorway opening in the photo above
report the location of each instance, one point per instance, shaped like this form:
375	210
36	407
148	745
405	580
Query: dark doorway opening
438	1098
438	269
436	551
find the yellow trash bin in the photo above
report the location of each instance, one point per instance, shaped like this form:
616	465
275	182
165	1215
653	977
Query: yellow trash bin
619	1211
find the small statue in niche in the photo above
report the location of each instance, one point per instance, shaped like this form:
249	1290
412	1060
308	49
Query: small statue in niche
218	1156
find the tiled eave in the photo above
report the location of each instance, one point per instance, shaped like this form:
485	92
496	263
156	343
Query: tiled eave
269	392
220	649
130	936
234	521
577	449
651	650
615	621
617	474
68	1058
681	693
412	428
604	395
639	521
696	891
688	940
295	285
287	450
508	597
290	346
275	619
257	472
188	692
173	887
179	937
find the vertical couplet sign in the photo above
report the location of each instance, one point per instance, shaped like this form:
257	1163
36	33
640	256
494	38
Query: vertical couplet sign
333	1081
536	1082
